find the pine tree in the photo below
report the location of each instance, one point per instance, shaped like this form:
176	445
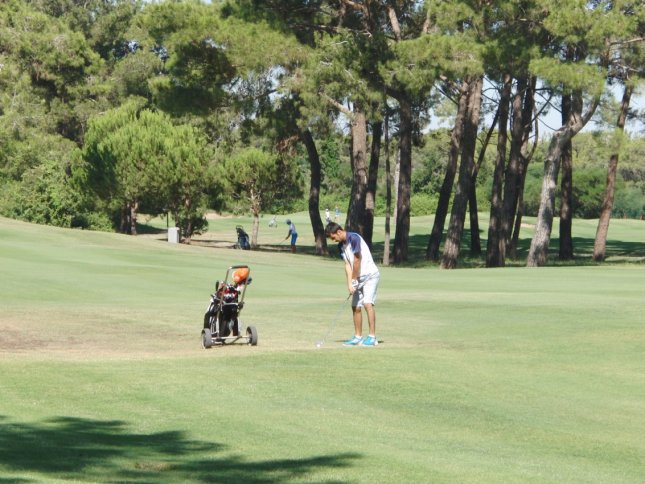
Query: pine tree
587	30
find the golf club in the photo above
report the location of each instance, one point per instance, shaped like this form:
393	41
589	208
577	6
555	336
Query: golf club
321	342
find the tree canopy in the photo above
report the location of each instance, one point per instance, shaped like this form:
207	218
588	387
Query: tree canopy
109	108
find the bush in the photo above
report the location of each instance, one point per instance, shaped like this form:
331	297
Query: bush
96	221
532	189
483	197
194	225
423	204
379	208
588	192
629	202
43	196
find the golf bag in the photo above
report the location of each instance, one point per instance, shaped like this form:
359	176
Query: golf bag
222	318
243	241
222	314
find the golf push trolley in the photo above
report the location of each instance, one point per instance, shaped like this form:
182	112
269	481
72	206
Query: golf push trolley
222	318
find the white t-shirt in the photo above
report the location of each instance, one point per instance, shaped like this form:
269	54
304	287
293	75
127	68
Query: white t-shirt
354	243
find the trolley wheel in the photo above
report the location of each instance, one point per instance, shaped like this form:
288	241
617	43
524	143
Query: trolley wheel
207	338
252	334
207	320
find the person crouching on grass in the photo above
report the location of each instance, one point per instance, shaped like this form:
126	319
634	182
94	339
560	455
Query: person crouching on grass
362	281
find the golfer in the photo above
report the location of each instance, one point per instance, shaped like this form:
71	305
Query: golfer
293	233
362	281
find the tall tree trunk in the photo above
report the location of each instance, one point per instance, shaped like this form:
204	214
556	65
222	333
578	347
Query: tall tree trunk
188	231
458	215
397	170
372	178
566	212
314	193
434	242
402	232
512	250
600	243
529	120
255	229
125	219
255	200
475	241
540	243
512	181
134	207
388	193
519	213
566	189
356	211
495	243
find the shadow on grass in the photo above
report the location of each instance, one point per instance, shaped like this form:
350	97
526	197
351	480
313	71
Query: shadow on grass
143	228
104	450
616	251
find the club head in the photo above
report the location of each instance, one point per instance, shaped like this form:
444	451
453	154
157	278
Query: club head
319	344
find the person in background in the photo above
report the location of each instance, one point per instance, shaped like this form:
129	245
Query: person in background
327	215
293	234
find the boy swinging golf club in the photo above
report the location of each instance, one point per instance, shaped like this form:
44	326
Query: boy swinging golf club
362	281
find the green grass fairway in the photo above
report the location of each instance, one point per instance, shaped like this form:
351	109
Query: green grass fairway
506	375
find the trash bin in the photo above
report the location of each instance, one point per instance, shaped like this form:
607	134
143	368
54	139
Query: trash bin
173	235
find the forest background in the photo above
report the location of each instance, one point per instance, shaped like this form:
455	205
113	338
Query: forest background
113	108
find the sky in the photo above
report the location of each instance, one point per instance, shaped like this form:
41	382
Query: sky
551	120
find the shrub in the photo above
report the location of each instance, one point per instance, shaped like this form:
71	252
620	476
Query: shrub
629	202
44	195
423	204
588	192
532	188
